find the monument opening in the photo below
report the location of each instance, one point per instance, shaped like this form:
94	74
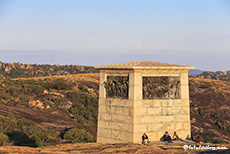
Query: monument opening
117	87
163	87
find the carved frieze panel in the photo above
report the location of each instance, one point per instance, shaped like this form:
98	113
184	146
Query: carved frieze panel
164	87
117	87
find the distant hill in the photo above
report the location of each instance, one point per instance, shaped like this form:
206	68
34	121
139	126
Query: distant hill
19	70
195	72
218	75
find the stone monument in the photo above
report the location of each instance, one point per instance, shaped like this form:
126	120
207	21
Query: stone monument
142	97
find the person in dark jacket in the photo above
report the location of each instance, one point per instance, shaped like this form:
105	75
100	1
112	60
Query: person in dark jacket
145	139
167	137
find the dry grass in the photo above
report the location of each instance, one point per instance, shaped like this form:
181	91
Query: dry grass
94	148
91	77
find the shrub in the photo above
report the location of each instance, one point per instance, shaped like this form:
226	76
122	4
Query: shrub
12	124
60	101
82	88
20	139
223	125
59	84
217	117
201	111
203	87
26	126
75	135
7	124
207	139
42	138
218	141
4	139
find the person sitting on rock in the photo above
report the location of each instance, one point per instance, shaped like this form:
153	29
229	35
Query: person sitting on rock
175	137
198	139
167	137
145	139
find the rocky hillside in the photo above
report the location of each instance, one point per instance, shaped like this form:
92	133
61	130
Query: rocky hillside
48	110
218	75
49	107
18	70
210	108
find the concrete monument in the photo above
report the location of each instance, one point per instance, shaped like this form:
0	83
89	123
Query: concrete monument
142	97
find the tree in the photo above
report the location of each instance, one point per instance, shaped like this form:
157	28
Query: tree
75	135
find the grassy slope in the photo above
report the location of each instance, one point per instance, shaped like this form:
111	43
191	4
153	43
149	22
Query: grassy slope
213	97
57	118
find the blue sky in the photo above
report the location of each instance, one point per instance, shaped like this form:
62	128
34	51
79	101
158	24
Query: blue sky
98	32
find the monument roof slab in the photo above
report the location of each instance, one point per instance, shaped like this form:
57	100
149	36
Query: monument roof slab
139	65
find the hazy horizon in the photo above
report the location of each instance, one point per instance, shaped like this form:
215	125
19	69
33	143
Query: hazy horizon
102	59
192	33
